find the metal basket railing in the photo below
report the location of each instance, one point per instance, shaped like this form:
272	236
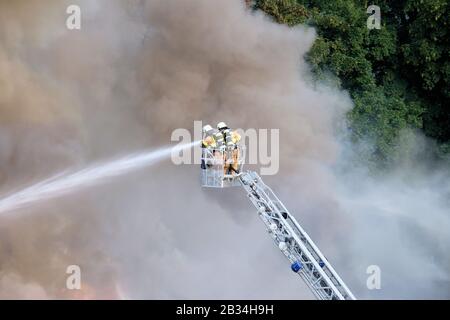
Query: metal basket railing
221	166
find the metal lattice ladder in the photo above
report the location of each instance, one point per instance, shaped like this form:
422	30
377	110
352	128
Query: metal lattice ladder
306	259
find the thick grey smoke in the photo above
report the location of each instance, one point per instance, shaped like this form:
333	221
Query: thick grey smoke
400	220
136	71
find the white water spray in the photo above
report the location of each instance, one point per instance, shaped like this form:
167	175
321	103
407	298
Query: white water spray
66	182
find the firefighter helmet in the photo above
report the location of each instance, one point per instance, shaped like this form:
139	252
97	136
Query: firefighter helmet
222	126
207	128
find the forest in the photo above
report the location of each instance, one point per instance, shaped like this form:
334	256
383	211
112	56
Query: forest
398	76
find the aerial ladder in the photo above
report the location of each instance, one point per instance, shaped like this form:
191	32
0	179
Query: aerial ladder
304	256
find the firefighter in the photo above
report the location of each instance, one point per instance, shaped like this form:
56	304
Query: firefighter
208	143
231	137
219	138
227	159
235	139
208	137
213	142
222	133
231	154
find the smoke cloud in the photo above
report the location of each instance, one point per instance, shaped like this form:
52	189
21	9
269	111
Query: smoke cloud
136	71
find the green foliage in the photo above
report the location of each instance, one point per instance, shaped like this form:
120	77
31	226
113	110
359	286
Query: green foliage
398	76
284	11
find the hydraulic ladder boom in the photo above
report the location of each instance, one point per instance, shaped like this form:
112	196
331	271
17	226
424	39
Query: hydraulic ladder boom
306	259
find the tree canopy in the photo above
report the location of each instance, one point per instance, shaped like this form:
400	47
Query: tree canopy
398	76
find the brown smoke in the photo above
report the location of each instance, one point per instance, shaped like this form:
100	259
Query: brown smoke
136	71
